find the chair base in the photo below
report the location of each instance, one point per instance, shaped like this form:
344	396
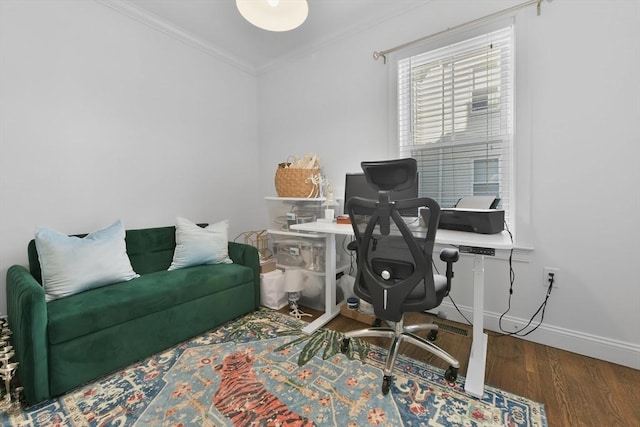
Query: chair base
399	334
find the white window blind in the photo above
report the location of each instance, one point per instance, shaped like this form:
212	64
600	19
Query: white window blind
455	117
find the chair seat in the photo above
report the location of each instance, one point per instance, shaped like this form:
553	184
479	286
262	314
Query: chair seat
418	293
440	282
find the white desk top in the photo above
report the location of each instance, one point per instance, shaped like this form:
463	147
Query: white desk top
445	237
496	241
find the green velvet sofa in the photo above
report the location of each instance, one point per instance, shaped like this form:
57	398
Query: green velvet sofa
70	341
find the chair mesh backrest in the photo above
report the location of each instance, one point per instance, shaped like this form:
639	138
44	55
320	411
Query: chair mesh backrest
388	242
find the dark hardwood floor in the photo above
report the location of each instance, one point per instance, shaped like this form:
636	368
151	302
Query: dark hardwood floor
576	390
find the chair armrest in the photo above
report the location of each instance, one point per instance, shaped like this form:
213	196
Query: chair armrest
247	255
449	255
27	315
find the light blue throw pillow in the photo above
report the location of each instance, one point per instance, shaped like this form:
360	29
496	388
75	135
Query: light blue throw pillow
72	264
196	245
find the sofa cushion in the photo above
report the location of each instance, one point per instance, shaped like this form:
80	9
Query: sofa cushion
111	305
72	264
151	249
196	245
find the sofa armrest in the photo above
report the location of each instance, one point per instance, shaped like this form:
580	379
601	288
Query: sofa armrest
243	254
27	315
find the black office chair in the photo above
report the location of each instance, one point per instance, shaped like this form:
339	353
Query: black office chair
394	267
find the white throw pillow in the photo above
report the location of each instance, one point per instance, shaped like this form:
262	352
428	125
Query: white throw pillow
72	264
196	245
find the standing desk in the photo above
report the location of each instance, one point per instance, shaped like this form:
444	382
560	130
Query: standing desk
480	245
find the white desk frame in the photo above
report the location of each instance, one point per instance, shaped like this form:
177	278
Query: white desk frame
474	384
329	230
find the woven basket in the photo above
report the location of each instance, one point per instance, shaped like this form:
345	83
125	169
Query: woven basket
294	182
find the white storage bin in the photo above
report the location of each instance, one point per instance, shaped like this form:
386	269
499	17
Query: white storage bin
307	253
272	294
284	211
313	294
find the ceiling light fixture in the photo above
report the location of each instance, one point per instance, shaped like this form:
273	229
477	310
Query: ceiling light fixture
274	15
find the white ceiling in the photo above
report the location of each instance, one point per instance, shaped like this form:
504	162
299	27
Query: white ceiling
218	25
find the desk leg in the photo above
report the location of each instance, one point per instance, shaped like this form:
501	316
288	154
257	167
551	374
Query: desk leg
331	308
474	384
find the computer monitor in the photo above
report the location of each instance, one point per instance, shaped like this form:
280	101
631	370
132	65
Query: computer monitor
356	185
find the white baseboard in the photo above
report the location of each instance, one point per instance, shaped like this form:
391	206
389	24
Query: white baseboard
603	348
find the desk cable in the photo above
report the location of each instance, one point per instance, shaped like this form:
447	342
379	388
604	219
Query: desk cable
512	277
541	309
449	295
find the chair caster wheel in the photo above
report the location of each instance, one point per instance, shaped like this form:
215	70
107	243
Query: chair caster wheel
344	345
451	374
377	323
386	384
433	334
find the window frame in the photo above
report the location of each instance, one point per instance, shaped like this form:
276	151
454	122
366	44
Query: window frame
444	41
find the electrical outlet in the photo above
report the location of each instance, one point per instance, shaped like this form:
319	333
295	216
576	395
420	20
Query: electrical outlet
549	272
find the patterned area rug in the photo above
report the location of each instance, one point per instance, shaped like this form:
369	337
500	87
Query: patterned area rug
260	370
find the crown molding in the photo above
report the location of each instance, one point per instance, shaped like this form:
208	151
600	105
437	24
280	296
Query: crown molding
336	37
165	27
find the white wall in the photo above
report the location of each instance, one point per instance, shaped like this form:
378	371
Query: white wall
102	118
577	147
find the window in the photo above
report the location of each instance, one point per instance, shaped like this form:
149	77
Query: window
486	181
455	118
